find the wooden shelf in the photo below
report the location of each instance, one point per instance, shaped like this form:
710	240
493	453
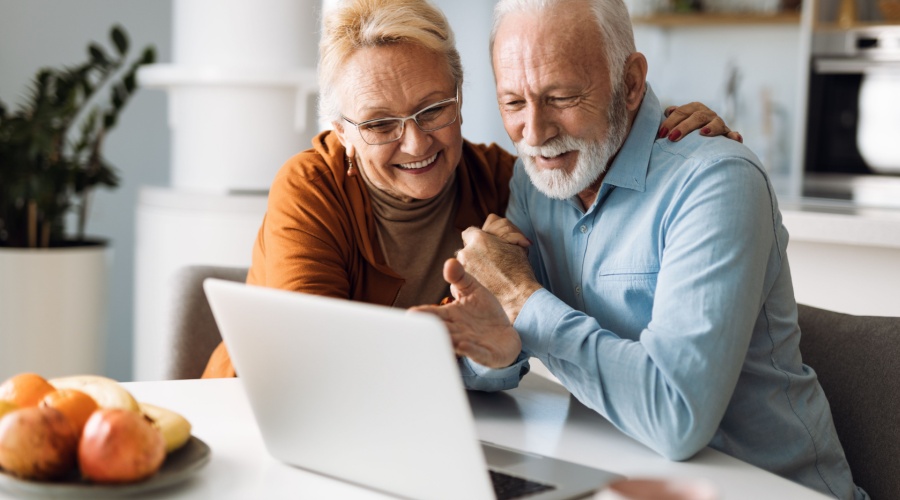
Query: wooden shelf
830	26
716	19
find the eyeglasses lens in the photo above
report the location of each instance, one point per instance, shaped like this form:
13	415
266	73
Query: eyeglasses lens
434	117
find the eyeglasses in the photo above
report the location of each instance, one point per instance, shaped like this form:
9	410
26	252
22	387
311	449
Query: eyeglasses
385	130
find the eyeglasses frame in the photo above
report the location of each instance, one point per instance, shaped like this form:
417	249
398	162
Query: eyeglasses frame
404	119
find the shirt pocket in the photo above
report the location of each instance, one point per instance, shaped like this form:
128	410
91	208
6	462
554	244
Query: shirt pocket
628	282
624	296
629	272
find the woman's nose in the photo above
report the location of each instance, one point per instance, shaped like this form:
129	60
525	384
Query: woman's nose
414	141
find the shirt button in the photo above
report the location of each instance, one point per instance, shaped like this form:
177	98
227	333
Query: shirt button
577	290
583	228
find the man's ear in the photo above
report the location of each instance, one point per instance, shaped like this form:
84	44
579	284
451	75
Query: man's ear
342	136
635	80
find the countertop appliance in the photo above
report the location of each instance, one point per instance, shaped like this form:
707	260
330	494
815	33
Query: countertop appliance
853	118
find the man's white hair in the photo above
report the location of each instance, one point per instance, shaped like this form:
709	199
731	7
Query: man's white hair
611	16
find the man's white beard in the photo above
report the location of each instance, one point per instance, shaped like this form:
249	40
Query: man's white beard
593	157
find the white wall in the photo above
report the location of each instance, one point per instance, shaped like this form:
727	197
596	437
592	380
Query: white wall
693	63
36	33
471	22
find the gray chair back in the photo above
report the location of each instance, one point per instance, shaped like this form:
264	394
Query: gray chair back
195	332
857	359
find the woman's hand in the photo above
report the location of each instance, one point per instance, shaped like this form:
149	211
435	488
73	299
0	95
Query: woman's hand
478	326
682	120
505	230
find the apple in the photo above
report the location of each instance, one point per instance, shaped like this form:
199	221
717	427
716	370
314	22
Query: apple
119	446
37	443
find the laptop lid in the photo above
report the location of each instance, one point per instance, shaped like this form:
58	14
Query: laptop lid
367	394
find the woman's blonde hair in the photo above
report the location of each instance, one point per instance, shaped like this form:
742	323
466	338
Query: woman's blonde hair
357	24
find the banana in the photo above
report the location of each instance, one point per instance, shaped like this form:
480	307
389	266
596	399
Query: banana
176	429
105	391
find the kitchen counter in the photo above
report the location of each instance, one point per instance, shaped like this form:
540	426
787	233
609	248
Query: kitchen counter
844	256
824	221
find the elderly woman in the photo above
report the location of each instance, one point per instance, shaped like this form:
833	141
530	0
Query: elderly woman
373	210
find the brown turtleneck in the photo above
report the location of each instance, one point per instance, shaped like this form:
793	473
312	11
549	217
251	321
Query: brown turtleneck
417	237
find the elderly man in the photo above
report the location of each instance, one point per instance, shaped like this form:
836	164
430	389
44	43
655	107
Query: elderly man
658	289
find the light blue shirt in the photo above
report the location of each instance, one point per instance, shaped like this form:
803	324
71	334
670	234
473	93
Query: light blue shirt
668	308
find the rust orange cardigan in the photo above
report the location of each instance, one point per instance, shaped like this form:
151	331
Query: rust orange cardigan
318	235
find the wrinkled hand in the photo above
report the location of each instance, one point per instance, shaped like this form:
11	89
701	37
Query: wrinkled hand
505	230
478	326
502	268
682	120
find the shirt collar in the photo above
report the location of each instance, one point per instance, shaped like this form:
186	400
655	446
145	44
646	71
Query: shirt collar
629	168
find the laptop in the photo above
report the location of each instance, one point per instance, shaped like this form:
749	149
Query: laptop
372	395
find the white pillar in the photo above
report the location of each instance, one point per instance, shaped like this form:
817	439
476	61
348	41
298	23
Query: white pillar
241	90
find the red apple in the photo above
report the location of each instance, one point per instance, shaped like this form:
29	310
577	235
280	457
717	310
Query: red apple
37	443
120	446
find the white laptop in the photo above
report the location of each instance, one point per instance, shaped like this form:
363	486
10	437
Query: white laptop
375	398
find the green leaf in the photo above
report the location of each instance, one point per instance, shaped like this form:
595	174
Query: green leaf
119	96
98	56
130	82
109	120
149	55
120	39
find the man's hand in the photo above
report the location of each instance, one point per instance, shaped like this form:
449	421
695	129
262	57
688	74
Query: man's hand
496	256
479	328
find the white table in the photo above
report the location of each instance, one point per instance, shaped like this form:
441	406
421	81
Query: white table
540	416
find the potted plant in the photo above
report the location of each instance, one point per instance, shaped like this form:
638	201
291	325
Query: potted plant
53	281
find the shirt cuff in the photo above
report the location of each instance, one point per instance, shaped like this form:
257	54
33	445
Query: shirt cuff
537	321
481	378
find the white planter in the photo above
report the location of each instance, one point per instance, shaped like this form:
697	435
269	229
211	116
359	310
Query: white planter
53	310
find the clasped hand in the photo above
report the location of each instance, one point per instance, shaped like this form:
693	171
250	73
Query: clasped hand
490	279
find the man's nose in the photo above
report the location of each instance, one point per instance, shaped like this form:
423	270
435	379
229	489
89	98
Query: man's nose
538	126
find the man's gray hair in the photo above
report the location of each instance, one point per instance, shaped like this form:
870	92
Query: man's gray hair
611	16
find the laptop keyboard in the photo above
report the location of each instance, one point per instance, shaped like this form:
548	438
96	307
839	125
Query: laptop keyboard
507	487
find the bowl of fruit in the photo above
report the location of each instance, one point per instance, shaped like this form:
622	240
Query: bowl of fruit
86	436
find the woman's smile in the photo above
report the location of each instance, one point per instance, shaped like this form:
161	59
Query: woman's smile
420	167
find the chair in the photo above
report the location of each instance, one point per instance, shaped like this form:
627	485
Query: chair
195	332
857	359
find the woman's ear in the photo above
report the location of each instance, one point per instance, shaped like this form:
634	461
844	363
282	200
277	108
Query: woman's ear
635	80
342	136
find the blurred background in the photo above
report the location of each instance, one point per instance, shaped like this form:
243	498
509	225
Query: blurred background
748	60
